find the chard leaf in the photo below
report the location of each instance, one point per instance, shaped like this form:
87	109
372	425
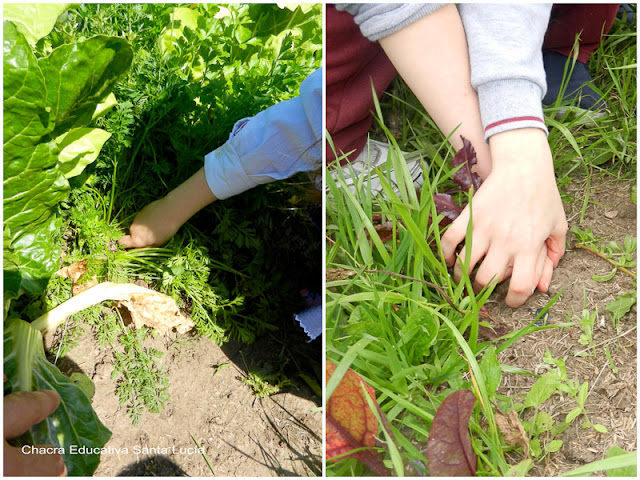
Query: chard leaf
32	182
79	76
105	106
465	158
79	148
74	423
33	20
449	449
38	256
181	17
44	99
11	272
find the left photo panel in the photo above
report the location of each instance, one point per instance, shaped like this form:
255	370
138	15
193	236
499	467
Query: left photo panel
162	222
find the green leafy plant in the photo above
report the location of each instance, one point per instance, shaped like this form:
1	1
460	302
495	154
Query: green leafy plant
140	383
265	380
586	323
27	369
621	306
46	111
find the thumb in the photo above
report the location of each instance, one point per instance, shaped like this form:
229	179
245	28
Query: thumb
127	241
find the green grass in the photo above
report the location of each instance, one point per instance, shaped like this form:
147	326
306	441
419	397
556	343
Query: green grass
402	336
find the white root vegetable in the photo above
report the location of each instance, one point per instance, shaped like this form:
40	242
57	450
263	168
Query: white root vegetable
101	292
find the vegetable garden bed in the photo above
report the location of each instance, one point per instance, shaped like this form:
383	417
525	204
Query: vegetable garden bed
107	108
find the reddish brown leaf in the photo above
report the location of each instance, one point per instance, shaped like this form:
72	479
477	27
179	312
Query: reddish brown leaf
492	333
449	449
351	423
446	205
466	157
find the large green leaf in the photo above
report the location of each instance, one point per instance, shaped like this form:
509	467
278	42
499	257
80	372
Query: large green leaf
10	271
32	182
79	76
38	255
74	423
53	97
26	116
79	148
33	20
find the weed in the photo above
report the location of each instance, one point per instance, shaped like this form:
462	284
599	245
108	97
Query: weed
265	380
586	323
140	383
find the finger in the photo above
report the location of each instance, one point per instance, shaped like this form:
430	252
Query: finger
540	263
478	250
454	235
547	273
556	243
126	241
523	280
23	409
494	268
19	464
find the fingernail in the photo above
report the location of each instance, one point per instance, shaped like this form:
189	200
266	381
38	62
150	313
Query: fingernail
533	290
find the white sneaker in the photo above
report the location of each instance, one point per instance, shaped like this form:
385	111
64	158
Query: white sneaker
375	155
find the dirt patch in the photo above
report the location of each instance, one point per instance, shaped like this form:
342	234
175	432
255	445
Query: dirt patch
241	434
612	397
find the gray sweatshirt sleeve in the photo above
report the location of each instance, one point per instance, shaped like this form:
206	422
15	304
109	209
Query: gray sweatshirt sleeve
378	20
505	52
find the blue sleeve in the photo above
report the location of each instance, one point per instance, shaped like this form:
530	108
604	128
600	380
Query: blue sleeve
277	143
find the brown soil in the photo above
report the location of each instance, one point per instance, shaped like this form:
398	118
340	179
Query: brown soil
242	435
612	396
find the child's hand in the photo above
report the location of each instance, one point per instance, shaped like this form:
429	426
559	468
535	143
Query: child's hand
151	227
156	223
519	224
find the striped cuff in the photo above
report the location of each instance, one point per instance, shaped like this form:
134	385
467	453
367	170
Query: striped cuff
510	104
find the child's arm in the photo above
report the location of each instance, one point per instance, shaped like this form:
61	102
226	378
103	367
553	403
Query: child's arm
519	224
277	143
431	56
156	223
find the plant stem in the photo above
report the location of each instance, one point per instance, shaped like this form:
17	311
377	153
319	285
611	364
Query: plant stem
622	269
101	292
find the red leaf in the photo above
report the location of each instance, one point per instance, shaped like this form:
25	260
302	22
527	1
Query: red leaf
446	205
466	157
351	423
449	449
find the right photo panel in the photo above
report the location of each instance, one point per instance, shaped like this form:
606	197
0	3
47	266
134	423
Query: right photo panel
481	239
